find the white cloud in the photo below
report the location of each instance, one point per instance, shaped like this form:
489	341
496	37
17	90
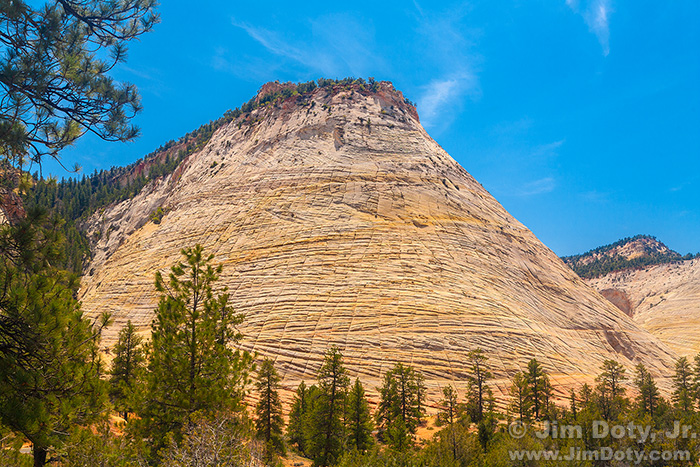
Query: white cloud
339	45
596	14
539	187
442	94
447	49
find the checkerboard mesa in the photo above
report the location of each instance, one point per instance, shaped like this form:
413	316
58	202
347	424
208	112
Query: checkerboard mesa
340	221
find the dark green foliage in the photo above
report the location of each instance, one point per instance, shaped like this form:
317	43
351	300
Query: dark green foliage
49	361
449	408
297	418
610	391
539	389
683	388
85	448
325	428
608	263
521	402
268	411
359	421
648	394
10	446
54	85
127	370
400	409
193	367
479	396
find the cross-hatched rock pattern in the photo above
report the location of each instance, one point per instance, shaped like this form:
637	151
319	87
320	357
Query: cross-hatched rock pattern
664	300
339	221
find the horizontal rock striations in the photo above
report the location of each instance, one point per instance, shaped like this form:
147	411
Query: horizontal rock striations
339	221
664	299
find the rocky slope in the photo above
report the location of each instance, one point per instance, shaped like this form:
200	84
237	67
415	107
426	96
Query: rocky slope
628	253
338	220
663	299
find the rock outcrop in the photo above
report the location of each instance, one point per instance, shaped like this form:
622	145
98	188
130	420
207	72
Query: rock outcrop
665	300
339	221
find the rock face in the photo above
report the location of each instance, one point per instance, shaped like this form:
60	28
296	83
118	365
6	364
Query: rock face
339	221
620	299
665	300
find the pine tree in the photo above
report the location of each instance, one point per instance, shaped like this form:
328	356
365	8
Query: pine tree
297	418
479	396
520	397
448	416
127	369
539	388
400	409
648	397
359	422
49	360
573	404
610	391
448	413
54	85
192	367
268	411
683	386
325	430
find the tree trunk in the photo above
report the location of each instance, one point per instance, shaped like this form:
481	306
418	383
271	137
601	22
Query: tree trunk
39	456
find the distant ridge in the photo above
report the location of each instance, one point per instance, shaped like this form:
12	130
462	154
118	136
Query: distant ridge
629	253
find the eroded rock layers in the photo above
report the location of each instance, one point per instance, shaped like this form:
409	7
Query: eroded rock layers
339	221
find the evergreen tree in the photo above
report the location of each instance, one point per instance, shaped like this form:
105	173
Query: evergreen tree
359	422
520	397
297	418
573	404
400	409
49	361
325	430
192	366
54	85
479	396
611	399
127	369
448	413
539	388
648	394
268	411
587	399
448	416
683	393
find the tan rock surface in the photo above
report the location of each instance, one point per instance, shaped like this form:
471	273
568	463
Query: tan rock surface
349	225
665	301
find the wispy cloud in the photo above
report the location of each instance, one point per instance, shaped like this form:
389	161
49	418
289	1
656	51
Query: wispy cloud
539	187
441	93
449	52
547	151
337	45
596	13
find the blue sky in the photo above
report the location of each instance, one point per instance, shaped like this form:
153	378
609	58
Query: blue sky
582	117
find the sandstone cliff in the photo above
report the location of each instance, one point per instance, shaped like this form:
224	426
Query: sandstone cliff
664	300
340	221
